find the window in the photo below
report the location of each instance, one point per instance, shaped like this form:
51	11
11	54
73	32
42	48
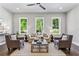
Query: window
23	25
39	24
56	26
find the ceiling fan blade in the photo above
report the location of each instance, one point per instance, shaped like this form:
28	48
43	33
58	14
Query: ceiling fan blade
42	7
30	4
37	3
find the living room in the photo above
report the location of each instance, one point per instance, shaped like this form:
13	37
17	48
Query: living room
56	19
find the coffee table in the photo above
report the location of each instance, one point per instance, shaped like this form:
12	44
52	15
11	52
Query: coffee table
39	47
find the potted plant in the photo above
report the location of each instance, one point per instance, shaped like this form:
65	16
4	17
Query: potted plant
17	33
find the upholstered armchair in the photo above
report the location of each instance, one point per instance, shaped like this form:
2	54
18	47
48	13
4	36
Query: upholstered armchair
12	43
64	43
47	37
28	38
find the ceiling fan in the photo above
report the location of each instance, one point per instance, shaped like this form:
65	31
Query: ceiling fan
39	4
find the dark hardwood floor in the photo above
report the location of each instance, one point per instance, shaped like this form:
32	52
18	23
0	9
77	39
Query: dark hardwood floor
3	50
74	51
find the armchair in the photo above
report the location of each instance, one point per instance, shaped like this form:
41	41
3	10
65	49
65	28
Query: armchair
64	43
28	38
46	37
12	43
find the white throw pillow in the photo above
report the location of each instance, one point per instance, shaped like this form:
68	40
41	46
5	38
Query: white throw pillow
13	37
64	37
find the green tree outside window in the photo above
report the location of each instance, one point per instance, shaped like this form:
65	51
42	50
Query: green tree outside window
39	25
55	26
23	24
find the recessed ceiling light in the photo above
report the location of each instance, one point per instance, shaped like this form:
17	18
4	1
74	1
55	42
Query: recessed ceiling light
24	5
60	8
17	8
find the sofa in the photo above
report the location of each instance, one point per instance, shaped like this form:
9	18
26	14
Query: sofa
32	37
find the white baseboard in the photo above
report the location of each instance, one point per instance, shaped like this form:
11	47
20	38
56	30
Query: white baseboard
76	43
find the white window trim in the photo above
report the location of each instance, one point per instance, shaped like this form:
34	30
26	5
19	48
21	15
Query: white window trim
59	23
35	23
20	25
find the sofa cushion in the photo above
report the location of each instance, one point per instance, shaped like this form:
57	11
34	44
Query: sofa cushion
33	35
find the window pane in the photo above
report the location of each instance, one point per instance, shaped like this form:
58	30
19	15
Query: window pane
39	24
56	26
23	25
55	23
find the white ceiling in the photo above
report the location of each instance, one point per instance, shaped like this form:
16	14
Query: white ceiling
50	7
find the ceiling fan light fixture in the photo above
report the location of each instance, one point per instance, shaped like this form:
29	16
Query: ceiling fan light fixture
39	4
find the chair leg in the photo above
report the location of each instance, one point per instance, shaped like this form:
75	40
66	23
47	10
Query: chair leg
69	49
8	51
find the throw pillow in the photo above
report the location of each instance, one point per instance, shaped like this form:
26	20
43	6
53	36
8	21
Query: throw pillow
64	37
13	37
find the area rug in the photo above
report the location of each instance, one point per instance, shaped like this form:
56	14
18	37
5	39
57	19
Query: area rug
26	51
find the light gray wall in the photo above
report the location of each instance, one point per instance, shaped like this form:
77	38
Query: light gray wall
73	24
7	19
47	21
